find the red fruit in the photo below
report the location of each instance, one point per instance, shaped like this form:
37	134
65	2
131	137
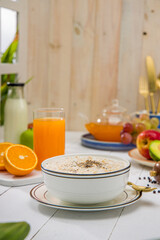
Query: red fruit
144	139
126	138
128	127
30	125
122	131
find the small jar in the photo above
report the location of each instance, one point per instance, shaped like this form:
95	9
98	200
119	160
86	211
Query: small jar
114	114
15	113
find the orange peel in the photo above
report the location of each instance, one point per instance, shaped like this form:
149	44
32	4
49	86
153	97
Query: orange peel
3	147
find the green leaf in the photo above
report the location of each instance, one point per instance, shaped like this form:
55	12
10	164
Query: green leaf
28	80
8	55
8	78
3	88
14	230
3	100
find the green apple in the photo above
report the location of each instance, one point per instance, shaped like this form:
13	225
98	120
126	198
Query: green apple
26	138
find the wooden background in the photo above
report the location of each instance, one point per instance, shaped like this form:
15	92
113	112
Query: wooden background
84	53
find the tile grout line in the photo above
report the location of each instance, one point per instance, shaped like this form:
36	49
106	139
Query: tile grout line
115	224
121	212
44	224
5	191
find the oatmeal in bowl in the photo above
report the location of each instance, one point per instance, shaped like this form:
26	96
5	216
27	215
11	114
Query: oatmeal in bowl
85	164
85	178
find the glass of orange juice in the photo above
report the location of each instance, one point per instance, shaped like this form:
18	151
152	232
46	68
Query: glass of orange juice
48	133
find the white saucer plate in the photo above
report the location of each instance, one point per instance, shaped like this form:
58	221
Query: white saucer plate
137	157
41	195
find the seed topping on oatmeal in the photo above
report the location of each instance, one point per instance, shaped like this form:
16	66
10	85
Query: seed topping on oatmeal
85	165
89	163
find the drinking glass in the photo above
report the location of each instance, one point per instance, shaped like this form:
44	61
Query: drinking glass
48	133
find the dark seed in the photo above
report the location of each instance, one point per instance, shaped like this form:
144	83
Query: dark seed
154	191
154	181
158	191
144	178
139	178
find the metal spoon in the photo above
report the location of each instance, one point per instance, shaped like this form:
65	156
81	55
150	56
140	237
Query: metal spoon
141	188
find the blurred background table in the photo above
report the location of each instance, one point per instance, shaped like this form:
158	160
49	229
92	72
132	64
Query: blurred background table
137	221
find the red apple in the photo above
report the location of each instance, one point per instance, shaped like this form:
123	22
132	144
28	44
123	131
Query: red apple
144	139
30	125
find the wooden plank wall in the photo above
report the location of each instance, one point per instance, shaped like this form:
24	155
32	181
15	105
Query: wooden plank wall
84	53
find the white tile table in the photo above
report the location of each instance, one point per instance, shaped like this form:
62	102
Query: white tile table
138	221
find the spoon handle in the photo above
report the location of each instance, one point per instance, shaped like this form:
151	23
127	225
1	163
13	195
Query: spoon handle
140	188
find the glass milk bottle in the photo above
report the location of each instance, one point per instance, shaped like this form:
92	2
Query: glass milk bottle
15	113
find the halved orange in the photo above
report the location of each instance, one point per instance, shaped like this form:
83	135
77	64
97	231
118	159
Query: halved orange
3	147
20	160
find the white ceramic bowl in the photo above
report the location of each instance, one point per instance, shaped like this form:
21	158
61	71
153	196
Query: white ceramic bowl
85	188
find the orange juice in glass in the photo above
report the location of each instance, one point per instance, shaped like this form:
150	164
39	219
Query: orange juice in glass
48	133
